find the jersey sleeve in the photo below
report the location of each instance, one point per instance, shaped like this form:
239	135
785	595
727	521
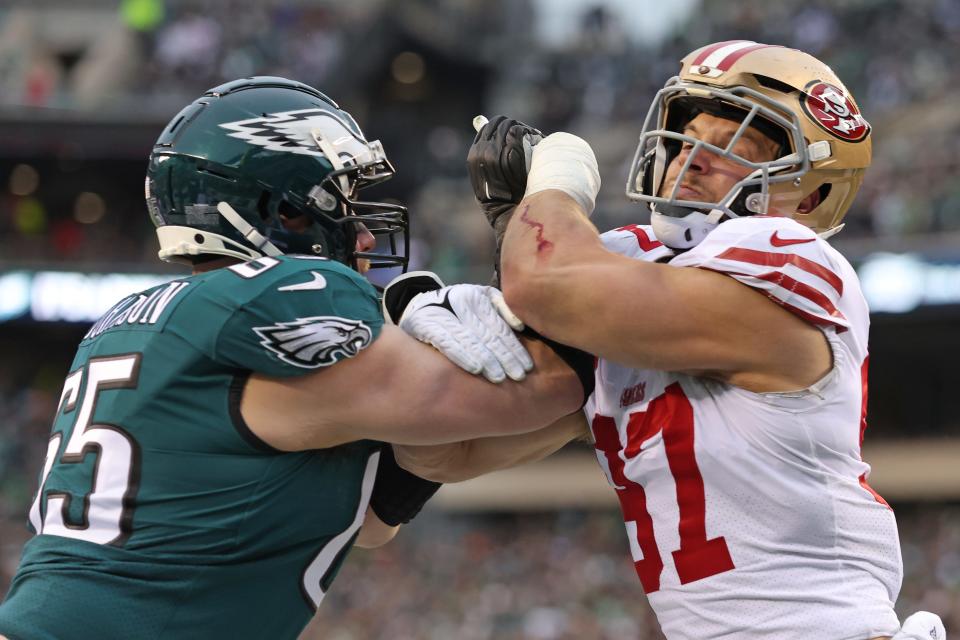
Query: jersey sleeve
635	241
300	322
781	258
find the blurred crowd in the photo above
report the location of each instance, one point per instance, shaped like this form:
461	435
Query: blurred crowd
415	73
561	576
509	577
549	576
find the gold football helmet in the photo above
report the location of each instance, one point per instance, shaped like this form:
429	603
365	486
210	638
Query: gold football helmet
788	95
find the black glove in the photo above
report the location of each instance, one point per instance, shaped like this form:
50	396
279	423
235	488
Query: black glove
498	161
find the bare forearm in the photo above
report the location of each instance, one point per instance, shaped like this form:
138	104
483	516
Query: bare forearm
491	454
560	279
450	405
402	391
459	461
551	259
542	230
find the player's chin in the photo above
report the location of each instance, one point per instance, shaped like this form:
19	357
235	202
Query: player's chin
363	265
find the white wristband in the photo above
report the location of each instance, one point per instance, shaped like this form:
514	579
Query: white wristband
565	162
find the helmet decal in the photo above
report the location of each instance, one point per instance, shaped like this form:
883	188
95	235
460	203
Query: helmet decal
833	111
293	132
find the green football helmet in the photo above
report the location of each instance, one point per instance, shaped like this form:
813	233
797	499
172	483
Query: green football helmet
232	166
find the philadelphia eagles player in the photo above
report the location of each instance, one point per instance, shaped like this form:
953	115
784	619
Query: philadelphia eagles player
219	438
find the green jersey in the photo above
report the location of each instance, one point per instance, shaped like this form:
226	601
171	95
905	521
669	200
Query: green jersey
160	514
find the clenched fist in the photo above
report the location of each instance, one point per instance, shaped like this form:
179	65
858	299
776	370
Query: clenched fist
498	161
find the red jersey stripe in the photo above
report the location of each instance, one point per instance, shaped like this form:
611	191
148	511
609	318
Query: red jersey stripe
784	281
805	315
864	374
642	238
863	428
797	311
770	259
872	491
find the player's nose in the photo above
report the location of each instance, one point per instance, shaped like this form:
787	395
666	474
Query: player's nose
365	240
701	160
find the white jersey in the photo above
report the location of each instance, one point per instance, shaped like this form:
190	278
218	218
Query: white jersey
749	514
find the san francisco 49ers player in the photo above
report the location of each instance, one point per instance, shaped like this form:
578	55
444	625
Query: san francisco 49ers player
731	387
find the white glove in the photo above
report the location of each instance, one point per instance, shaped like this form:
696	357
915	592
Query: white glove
473	327
922	625
565	162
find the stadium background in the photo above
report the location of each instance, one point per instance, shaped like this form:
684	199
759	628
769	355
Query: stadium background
538	552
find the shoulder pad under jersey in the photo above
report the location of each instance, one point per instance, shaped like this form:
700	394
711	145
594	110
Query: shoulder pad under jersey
780	257
288	315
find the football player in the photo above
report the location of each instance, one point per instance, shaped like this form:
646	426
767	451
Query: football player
731	388
217	448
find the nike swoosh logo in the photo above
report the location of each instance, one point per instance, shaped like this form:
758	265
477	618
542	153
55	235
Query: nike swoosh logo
777	241
443	304
318	282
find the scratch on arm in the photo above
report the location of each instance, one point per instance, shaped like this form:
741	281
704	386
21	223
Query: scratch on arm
543	244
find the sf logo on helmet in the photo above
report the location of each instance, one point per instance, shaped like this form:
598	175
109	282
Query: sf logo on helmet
834	111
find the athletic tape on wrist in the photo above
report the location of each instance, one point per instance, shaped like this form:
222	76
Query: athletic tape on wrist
565	162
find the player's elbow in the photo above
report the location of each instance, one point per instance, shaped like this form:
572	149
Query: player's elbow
451	474
439	463
374	532
375	540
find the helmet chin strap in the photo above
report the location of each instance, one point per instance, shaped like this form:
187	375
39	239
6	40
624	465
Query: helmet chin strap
829	233
253	236
686	231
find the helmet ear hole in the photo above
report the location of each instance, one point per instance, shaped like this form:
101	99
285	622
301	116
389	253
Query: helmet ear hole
825	190
814	199
645	179
263	205
288	211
